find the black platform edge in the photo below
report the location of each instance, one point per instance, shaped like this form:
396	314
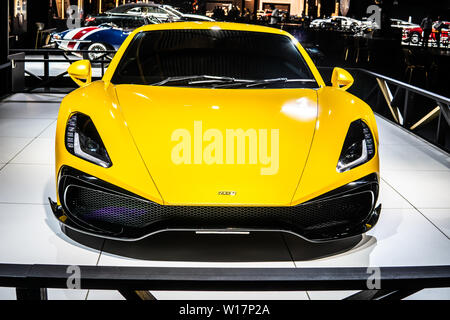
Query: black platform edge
224	279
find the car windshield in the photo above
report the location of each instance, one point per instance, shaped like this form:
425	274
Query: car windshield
213	58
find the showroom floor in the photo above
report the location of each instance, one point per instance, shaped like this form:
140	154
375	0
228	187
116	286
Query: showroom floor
414	227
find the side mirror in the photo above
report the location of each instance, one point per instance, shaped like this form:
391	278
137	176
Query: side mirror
80	70
341	79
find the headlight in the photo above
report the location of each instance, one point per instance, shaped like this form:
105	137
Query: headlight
82	140
358	147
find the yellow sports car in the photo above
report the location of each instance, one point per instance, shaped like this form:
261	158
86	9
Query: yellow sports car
215	127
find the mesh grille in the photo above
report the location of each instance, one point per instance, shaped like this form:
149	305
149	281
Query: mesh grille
94	206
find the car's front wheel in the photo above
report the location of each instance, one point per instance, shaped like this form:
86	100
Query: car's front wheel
354	27
415	37
93	55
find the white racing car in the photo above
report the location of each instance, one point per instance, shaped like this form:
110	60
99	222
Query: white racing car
341	23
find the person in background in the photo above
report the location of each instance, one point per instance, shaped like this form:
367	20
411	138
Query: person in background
195	6
275	15
246	15
427	27
234	13
218	14
438	26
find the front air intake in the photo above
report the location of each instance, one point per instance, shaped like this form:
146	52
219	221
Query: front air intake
103	206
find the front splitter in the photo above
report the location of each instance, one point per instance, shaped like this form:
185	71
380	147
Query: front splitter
67	222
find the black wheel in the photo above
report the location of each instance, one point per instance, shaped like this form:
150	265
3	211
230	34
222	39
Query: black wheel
96	46
354	27
415	37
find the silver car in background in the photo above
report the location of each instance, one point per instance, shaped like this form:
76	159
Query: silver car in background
163	12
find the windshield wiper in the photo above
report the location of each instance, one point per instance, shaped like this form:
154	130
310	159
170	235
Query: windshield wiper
224	82
198	80
262	82
276	80
251	83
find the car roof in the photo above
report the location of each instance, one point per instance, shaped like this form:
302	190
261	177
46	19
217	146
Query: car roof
122	8
118	16
211	25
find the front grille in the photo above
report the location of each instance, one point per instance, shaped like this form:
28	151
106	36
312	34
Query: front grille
102	208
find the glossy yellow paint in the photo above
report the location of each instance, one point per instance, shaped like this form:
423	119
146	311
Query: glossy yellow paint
128	170
337	109
79	71
153	118
340	78
137	125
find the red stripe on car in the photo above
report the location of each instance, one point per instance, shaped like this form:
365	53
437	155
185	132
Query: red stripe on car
78	35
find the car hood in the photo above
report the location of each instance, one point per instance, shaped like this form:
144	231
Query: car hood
221	146
77	33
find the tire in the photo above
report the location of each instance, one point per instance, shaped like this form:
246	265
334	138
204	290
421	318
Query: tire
96	46
415	38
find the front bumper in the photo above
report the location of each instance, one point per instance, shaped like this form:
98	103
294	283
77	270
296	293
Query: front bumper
90	205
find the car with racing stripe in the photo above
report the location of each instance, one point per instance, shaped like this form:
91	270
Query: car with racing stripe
99	34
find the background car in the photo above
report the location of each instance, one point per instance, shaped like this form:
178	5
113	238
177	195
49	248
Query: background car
415	35
401	24
341	23
125	22
404	26
162	12
100	34
317	23
187	16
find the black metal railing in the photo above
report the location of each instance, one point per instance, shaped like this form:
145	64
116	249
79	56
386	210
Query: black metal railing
47	82
422	112
417	110
32	281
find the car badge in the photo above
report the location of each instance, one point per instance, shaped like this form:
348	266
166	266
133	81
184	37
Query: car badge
227	193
